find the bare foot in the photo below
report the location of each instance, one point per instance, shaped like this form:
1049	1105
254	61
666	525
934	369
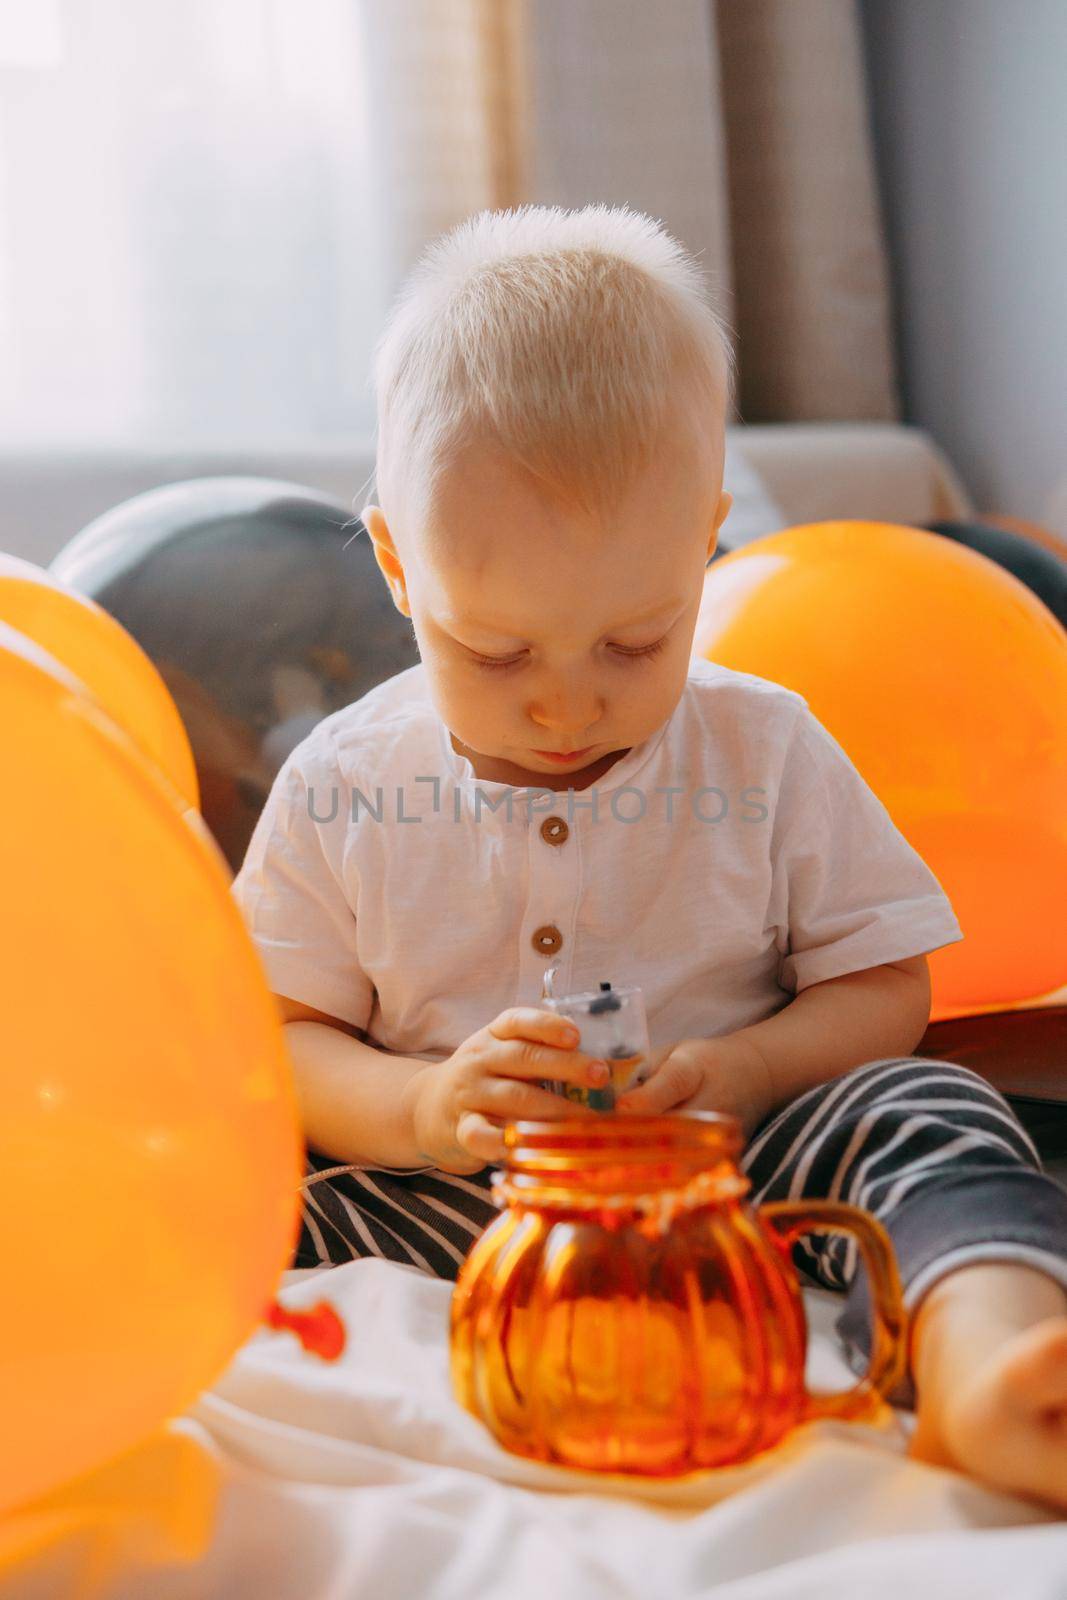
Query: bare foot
990	1362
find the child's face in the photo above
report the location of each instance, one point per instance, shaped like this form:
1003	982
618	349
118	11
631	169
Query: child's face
551	645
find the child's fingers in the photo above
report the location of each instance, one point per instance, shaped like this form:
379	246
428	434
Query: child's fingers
673	1083
662	1092
527	1043
526	1102
528	1022
481	1137
517	1059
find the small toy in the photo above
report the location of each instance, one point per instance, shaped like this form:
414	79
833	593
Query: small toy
612	1027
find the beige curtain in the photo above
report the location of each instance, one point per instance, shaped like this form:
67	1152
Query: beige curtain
742	124
447	114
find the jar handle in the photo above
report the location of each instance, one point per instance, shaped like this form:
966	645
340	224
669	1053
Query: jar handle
791	1219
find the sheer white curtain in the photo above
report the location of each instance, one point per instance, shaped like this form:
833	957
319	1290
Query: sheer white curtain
189	254
206	205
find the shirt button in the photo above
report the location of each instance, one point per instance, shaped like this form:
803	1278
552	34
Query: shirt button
555	831
547	940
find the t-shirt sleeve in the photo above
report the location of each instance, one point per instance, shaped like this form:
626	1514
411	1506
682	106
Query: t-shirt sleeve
850	891
292	893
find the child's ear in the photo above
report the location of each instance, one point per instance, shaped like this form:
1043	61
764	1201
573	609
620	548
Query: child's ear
392	570
725	503
721	513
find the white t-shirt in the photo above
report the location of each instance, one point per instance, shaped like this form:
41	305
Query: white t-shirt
729	861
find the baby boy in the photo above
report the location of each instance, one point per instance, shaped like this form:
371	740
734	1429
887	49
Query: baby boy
557	783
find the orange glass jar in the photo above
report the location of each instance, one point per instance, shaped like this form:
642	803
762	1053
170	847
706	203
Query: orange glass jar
630	1312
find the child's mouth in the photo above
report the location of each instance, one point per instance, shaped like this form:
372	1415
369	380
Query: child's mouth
564	756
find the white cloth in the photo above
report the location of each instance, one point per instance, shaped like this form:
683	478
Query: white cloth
723	865
365	1478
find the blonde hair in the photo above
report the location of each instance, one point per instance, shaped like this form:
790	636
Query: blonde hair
565	338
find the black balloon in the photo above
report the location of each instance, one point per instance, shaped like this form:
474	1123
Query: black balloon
1040	569
264	610
1023	1054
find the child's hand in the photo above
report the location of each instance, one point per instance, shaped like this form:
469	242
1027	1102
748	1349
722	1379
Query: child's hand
461	1104
725	1074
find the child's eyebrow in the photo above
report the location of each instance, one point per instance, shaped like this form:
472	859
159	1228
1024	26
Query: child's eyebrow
669	609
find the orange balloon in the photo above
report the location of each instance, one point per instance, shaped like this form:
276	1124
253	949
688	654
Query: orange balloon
150	1154
945	680
153	1508
106	659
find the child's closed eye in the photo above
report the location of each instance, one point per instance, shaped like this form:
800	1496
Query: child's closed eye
627	652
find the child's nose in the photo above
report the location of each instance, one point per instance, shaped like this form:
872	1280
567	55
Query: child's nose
568	711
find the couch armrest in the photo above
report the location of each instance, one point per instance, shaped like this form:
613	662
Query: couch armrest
871	471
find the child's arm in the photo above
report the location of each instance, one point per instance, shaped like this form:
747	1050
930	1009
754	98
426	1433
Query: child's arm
368	1126
364	1106
827	1030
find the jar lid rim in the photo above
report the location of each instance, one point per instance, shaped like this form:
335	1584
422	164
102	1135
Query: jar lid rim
615	1131
708	1119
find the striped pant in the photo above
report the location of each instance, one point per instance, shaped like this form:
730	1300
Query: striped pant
927	1146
